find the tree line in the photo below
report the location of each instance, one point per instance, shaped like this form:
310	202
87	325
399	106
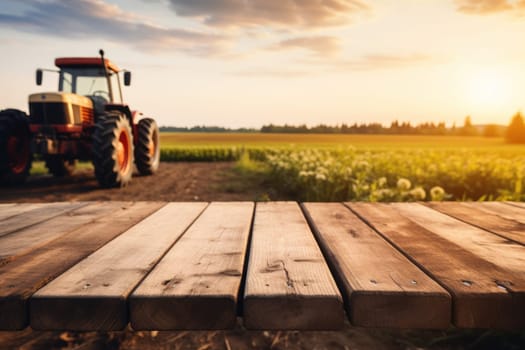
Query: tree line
198	128
395	128
513	133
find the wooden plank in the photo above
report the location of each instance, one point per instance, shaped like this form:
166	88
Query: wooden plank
11	209
195	285
288	284
483	272
38	213
32	237
29	272
516	204
92	294
382	288
501	219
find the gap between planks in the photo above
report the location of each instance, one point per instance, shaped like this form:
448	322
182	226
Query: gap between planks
501	219
31	271
482	271
92	295
196	284
288	284
382	288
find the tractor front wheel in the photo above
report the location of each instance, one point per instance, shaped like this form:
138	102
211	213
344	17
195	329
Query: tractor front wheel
59	166
113	150
15	147
147	150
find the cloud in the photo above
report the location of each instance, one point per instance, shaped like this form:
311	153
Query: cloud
319	45
90	19
100	20
313	66
485	7
287	14
385	61
371	62
271	73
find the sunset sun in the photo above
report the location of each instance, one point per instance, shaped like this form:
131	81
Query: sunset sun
487	88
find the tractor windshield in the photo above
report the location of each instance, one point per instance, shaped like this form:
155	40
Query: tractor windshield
88	81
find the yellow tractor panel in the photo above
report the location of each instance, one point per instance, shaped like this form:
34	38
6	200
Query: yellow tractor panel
77	109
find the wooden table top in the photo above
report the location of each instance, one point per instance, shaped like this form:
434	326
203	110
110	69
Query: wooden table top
271	265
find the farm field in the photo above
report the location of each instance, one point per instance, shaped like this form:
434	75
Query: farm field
311	167
366	167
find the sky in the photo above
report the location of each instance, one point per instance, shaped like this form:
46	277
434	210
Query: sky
247	63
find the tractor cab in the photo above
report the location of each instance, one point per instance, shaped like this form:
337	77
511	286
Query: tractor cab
89	77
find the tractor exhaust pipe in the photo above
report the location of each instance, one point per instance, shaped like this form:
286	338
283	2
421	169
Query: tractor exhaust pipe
101	53
106	74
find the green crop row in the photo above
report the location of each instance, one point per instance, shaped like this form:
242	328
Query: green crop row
213	154
399	175
396	174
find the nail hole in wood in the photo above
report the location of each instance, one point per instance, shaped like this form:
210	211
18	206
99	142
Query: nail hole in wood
467	283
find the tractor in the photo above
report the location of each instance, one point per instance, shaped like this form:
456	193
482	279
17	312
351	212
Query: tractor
85	120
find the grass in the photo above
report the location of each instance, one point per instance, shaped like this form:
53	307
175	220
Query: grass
39	167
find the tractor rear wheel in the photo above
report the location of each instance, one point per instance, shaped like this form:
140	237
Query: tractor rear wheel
113	150
147	150
15	147
59	166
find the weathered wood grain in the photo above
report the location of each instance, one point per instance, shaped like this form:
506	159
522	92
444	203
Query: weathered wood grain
499	218
37	214
11	209
195	285
26	239
92	294
288	283
29	272
515	204
382	288
483	272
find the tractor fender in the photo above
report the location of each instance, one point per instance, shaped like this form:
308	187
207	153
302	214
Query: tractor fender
135	116
122	108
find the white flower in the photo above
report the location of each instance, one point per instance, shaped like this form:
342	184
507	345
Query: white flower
418	194
437	193
320	177
403	184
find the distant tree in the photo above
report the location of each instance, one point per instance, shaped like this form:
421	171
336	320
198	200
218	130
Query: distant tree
516	130
468	129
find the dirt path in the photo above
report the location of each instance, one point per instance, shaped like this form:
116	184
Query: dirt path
174	182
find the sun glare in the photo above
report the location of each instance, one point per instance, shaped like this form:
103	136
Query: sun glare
488	88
